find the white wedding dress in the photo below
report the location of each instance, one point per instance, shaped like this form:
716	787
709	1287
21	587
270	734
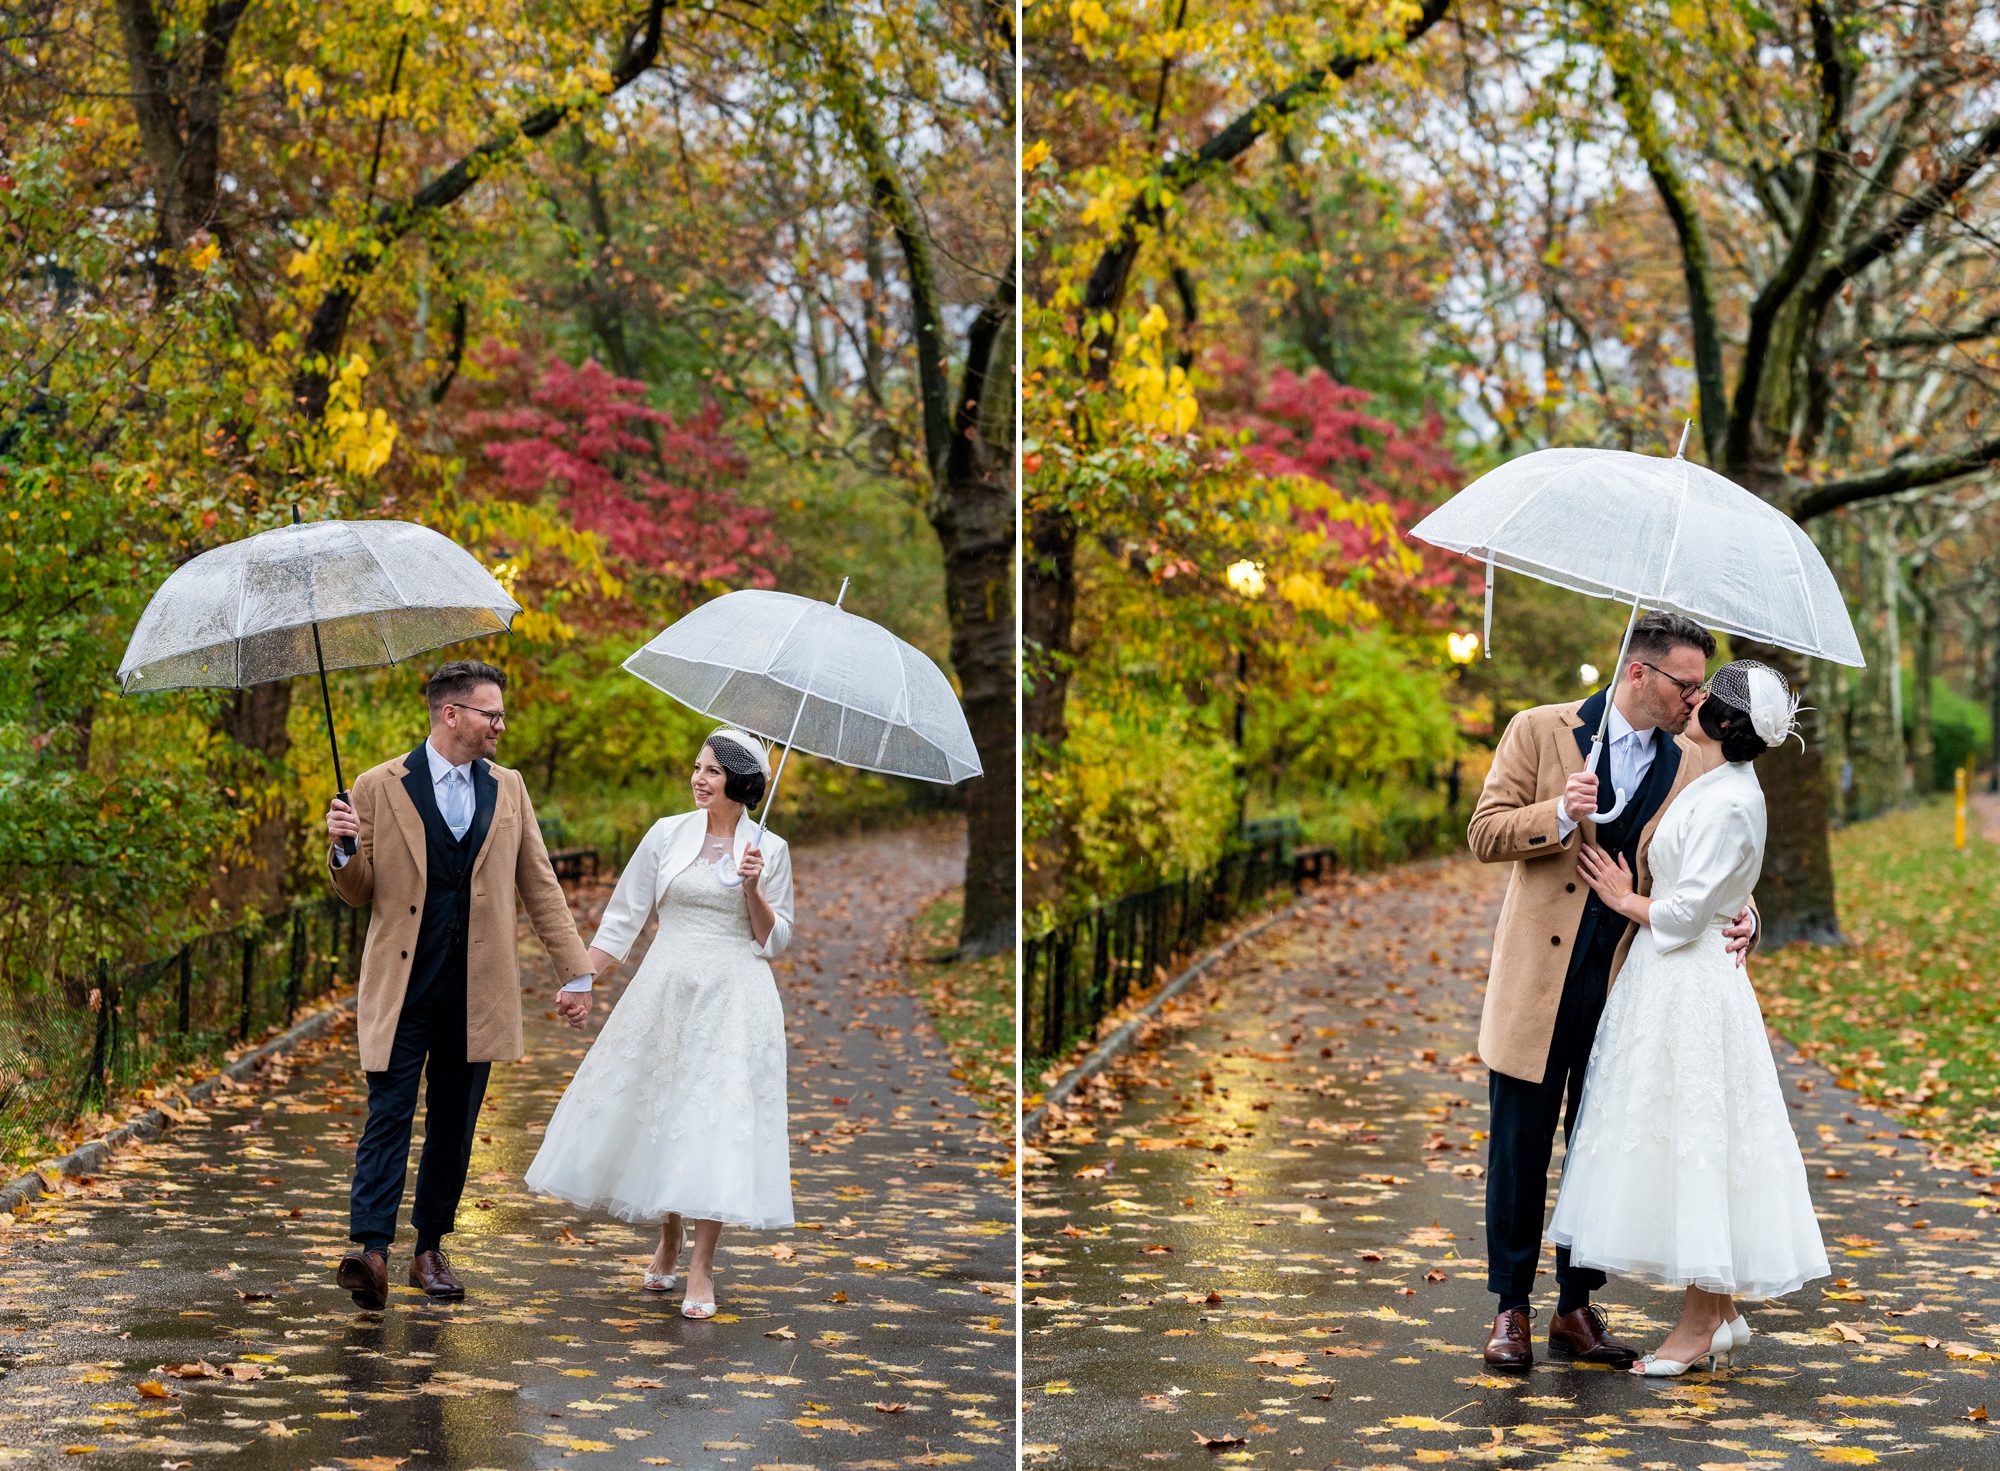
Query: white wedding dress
1683	1170
679	1106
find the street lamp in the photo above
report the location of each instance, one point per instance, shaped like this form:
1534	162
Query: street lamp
1246	580
1463	649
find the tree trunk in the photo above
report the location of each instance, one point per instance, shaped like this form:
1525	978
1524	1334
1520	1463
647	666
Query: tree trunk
974	521
1923	749
1047	621
1795	895
972	513
254	720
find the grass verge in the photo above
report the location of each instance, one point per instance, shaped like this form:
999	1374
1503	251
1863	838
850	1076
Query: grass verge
971	1002
1907	1015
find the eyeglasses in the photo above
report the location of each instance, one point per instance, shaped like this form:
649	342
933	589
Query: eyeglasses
496	717
1689	688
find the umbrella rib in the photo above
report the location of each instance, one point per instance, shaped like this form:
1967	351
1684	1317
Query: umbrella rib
1674	542
1805	585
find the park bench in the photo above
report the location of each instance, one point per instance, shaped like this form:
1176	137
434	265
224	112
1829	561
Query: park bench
1307	864
570	863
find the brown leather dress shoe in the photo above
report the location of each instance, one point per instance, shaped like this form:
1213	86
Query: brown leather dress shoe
1512	1345
365	1274
1582	1336
431	1272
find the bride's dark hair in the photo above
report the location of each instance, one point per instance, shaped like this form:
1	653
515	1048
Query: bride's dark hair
1732	728
743	778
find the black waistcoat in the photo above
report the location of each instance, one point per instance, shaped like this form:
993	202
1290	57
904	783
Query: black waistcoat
438	958
1598	933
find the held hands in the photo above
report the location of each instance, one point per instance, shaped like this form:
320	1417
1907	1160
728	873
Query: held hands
1605	873
752	866
1580	796
573	1007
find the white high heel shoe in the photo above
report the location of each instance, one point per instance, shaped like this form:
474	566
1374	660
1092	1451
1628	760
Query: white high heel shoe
660	1281
1654	1367
1739	1333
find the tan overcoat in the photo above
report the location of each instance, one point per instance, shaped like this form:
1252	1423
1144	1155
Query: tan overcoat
1515	822
388	870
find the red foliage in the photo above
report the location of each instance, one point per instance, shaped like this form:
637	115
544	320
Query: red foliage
1316	427
663	492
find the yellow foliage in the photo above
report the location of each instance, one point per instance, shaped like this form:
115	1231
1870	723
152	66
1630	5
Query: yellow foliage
358	440
1156	396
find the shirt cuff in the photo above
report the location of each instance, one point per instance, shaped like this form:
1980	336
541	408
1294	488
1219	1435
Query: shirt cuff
581	983
1565	825
339	856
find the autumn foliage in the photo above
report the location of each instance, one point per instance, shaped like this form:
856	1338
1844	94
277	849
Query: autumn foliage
665	493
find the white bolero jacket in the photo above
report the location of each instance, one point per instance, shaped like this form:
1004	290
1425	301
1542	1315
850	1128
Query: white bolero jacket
1707	855
668	847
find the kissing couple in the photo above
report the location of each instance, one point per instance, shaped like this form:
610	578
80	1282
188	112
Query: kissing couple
676	1117
1680	1166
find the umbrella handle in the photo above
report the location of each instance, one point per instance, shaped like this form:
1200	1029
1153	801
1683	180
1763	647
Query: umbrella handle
1624	797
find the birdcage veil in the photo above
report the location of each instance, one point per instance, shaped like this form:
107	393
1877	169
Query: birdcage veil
1763	694
739	752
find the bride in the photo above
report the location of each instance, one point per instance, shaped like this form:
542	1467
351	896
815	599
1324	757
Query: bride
1683	1169
677	1113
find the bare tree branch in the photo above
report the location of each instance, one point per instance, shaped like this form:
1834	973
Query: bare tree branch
1894	478
393	221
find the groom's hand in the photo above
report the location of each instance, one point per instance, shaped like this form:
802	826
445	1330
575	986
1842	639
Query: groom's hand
1737	935
573	1007
1580	796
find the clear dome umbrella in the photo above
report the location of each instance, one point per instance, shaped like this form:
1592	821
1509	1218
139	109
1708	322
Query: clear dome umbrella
309	597
813	677
1656	533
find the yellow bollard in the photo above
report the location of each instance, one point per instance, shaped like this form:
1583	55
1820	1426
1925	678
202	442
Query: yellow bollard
1958	806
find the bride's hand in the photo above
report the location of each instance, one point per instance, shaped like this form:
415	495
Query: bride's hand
1608	876
752	866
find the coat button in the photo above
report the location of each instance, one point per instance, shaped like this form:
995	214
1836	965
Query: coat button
406	955
1555	939
1567	889
413	908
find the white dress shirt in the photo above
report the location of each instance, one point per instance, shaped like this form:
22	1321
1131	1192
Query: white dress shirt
1631	757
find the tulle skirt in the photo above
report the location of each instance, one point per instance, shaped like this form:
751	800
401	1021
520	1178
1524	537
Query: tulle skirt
1684	1170
679	1106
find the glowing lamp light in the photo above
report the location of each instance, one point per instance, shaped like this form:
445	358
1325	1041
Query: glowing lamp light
1464	647
1246	578
1587	673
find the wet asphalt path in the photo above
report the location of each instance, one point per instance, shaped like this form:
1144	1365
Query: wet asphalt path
879	1332
1261	1242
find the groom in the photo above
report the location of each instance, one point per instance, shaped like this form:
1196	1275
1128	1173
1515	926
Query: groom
444	841
1557	949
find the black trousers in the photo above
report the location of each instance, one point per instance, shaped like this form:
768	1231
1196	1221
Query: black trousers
430	1040
1524	1134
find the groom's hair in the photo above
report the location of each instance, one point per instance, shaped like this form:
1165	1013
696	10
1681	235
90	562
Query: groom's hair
456	680
1657	635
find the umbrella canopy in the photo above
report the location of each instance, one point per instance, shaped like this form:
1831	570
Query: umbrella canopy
310	597
1658	533
301	598
816	678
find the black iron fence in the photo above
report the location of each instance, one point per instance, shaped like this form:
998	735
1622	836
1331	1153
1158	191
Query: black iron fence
1074	974
70	1045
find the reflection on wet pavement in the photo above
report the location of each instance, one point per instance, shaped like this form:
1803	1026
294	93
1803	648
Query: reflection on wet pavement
1262	1241
180	1307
